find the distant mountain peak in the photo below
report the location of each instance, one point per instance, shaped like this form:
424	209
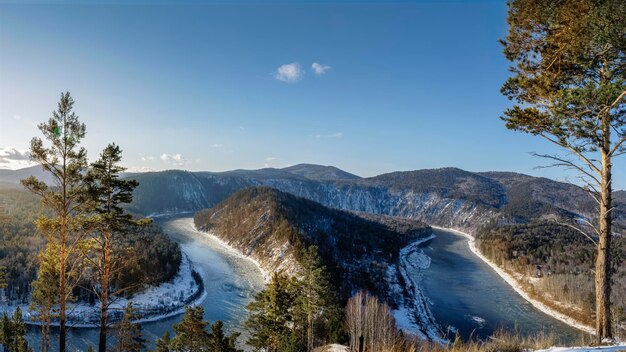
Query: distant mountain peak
320	172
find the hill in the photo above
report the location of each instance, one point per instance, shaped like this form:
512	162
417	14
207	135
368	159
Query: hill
274	228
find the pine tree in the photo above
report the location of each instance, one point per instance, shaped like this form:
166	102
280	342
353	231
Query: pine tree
109	192
163	343
66	162
6	333
315	302
191	332
271	316
45	292
129	334
3	280
569	82
13	332
221	342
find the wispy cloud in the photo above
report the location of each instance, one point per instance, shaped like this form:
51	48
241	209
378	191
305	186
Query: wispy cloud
11	158
216	145
320	69
140	169
271	158
332	135
289	72
174	159
147	158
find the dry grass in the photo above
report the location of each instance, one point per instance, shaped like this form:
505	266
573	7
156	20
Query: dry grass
501	341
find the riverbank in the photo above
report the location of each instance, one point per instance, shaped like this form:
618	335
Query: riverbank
152	304
225	246
413	314
518	287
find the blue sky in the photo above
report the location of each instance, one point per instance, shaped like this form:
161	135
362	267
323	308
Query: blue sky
396	86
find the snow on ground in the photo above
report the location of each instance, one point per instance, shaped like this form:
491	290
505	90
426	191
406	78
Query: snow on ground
234	251
585	349
333	348
514	283
413	314
154	303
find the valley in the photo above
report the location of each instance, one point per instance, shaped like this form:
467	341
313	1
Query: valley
268	215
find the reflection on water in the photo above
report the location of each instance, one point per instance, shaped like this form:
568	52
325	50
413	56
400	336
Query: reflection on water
230	281
467	295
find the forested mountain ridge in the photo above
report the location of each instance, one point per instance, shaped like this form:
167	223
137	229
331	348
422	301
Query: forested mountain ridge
447	197
274	227
360	251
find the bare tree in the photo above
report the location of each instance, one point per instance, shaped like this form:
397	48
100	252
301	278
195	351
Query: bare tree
371	321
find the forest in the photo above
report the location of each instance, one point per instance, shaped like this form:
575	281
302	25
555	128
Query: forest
560	261
155	257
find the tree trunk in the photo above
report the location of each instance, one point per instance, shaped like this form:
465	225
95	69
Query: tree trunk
62	284
104	295
603	258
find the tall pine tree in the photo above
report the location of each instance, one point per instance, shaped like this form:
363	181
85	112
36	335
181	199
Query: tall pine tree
109	192
270	319
569	84
66	161
316	306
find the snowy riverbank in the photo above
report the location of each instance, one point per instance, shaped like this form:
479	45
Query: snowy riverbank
152	304
413	315
515	284
226	247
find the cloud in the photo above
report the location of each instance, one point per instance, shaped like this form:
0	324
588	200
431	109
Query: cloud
319	69
332	135
147	158
17	117
11	158
141	169
174	159
289	72
216	145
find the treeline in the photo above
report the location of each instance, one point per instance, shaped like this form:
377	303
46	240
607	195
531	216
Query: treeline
562	260
155	258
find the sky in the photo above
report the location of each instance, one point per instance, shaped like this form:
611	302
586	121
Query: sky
370	87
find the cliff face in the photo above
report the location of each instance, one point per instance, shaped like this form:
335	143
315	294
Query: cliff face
445	197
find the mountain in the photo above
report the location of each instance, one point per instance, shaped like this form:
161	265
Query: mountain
447	197
13	177
360	251
320	173
273	227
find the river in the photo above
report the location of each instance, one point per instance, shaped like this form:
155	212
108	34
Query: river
466	294
230	281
